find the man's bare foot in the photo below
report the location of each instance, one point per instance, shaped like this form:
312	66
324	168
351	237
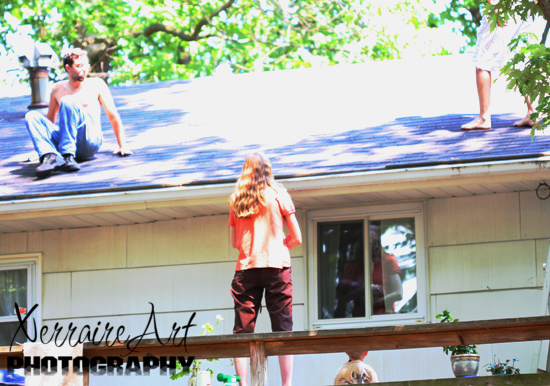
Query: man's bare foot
479	123
525	122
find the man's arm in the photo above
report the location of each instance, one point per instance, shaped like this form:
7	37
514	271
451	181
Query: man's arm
53	107
106	100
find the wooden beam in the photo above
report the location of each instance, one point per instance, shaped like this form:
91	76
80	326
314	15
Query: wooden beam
331	341
395	340
500	380
196	347
258	364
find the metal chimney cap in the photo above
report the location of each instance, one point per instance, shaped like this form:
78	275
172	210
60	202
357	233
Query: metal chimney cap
39	55
43	49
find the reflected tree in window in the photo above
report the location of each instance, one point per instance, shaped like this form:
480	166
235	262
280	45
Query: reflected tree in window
393	266
13	289
391	272
341	262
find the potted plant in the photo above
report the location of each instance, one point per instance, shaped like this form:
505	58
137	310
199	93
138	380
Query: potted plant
464	359
500	368
198	376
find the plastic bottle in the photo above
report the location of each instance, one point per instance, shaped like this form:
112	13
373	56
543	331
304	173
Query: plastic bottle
199	378
228	380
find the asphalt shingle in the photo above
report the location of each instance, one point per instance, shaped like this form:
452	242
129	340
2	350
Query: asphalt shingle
334	120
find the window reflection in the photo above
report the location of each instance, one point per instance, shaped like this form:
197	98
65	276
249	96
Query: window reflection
341	262
13	289
393	266
391	271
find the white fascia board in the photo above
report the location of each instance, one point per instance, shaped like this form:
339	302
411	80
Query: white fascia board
377	180
423	177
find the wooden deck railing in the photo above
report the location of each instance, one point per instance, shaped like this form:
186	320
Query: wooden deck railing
260	346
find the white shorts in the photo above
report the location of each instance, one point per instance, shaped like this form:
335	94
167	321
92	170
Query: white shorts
491	51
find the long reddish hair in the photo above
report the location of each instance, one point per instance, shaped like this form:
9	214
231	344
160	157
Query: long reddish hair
248	194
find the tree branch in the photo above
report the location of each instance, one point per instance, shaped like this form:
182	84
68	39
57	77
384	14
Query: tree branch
207	20
545	33
158	27
545	6
195	36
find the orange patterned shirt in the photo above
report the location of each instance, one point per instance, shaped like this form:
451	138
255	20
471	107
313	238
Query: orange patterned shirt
260	238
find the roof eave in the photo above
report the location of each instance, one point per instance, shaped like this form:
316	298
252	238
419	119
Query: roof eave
303	186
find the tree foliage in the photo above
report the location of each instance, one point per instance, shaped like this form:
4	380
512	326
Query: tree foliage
529	70
150	40
466	12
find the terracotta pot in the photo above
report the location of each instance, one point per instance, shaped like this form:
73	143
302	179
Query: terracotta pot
465	364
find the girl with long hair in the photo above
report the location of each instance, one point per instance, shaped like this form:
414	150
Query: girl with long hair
260	208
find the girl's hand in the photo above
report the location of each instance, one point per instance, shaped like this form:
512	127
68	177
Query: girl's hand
286	240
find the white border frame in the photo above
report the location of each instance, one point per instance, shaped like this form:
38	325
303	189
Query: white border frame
371	212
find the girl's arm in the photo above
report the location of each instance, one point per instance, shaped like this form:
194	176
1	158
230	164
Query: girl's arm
294	237
233	236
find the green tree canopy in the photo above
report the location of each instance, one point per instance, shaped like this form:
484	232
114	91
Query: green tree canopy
150	40
529	70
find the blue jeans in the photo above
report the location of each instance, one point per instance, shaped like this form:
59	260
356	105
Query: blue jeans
76	134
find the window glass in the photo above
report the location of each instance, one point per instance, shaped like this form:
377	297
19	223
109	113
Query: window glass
7	332
13	289
341	262
391	271
393	266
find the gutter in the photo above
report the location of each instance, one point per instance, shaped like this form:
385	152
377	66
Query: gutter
442	175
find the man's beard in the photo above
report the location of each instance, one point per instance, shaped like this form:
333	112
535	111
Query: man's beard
78	78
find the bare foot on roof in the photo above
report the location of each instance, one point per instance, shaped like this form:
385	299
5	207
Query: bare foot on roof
525	122
479	123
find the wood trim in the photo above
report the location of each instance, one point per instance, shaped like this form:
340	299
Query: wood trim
260	346
500	380
338	340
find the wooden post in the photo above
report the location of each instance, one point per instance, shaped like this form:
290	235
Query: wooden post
258	364
86	376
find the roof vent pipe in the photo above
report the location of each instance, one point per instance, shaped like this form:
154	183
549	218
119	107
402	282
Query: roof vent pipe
38	59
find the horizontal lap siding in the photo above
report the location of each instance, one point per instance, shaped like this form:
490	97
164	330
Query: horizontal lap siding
474	219
485	256
484	261
180	266
484	244
483	267
195	287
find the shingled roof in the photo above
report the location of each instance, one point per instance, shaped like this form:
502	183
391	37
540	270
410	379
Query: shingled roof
333	120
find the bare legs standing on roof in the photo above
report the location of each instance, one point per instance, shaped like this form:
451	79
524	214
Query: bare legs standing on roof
526	121
483	120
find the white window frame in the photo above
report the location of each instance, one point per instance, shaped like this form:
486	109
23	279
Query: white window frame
369	213
33	263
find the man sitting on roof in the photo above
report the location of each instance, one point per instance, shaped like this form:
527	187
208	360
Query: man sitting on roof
79	135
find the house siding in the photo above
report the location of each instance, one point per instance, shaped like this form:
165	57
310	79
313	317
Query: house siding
484	261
